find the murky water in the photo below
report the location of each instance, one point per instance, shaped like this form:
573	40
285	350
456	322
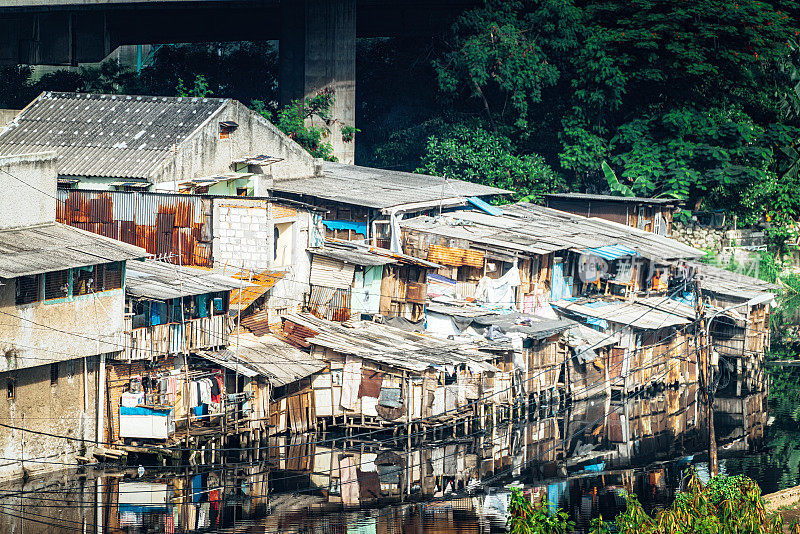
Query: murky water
580	457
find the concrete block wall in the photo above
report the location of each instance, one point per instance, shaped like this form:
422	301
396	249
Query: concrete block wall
242	233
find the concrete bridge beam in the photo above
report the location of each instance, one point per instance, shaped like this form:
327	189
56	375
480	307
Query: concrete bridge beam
317	52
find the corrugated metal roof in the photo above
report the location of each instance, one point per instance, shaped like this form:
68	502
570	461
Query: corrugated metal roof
386	344
55	246
260	284
353	256
106	135
731	284
362	254
162	281
611	252
381	188
647	314
528	228
267	356
612	198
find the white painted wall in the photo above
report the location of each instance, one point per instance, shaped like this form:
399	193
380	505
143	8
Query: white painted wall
42	332
29	189
205	154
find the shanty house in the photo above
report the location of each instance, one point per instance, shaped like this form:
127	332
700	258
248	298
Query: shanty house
741	337
366	204
379	375
654	339
276	377
349	279
126	142
527	255
62	298
649	214
533	347
172	313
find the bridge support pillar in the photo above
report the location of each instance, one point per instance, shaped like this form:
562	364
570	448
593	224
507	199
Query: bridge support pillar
317	51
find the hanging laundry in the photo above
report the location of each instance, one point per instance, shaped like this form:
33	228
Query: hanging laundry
351	381
205	391
216	388
349	479
371	381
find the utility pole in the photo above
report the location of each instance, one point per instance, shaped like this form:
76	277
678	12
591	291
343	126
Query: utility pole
704	363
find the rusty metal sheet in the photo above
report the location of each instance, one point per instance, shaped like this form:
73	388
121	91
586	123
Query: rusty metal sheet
162	224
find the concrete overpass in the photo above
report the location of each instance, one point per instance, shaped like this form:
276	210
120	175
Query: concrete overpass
316	37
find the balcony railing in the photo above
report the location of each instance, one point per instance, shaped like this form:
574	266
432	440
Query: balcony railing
159	340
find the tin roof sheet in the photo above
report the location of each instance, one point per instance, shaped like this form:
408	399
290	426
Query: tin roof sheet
363	254
612	198
162	281
386	344
106	135
260	283
532	229
647	314
381	188
731	284
55	246
267	356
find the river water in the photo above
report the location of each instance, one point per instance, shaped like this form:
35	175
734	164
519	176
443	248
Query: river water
580	457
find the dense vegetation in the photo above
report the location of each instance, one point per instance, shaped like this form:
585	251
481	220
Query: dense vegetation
693	100
726	505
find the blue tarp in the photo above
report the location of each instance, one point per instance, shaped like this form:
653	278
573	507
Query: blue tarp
357	227
483	206
611	252
561	286
137	410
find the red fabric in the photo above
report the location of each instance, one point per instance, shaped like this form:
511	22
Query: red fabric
216	398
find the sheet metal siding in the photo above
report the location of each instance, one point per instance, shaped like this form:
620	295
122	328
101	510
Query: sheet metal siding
332	273
160	224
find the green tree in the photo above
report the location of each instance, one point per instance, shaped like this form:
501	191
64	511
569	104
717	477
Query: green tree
306	121
199	89
686	94
499	55
479	155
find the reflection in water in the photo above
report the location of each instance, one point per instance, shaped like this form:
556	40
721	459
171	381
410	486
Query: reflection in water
581	458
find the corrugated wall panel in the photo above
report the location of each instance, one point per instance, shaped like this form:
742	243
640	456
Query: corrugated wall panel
332	273
161	224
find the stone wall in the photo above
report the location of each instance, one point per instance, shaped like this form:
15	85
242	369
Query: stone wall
702	237
716	239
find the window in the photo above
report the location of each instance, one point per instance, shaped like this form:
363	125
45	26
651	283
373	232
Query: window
28	289
225	129
109	276
11	387
56	285
83	280
54	374
241	191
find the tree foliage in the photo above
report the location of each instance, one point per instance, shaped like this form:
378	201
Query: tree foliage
692	100
479	155
306	121
726	505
